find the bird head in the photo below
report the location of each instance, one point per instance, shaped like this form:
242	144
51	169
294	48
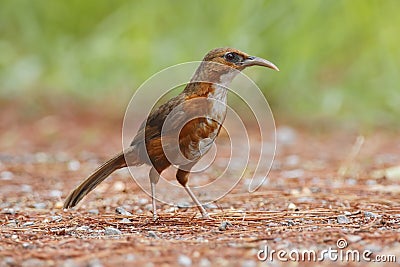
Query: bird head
221	65
236	59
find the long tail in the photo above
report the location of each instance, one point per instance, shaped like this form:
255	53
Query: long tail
94	180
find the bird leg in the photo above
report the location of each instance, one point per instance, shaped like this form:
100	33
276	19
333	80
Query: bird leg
154	177
197	202
182	177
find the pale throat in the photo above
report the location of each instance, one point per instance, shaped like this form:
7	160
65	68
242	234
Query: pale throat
221	87
218	97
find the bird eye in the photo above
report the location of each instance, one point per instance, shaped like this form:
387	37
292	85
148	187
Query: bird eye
232	57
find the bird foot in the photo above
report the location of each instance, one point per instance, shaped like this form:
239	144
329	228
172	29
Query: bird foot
205	216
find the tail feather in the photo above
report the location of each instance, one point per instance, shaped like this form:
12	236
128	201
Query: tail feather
94	180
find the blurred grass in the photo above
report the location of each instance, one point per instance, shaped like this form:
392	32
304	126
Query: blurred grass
339	59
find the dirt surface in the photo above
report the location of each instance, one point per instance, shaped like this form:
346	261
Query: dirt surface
331	190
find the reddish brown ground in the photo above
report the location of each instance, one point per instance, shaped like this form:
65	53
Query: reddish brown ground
297	208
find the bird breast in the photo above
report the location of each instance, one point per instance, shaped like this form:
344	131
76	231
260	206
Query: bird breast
199	134
217	100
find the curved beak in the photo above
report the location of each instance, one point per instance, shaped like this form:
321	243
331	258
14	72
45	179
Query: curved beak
258	61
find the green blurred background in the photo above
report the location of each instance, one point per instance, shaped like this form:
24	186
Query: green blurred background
339	59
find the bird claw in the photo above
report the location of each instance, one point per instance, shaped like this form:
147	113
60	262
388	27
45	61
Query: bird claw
205	216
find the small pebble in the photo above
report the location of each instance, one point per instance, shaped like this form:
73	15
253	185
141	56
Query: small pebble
112	231
95	263
39	205
249	263
26	245
94	211
148	207
56	218
291	174
8	211
42	157
12	223
125	220
348	213
152	234
33	262
28	224
292	160
276	165
306	199
83	228
210	206
290	222
224	225
315	189
351	181
369	214
184	260
375	248
130	257
61	157
143	201
342	219
119	186
306	191
122	211
139	211
55	193
393	173
170	210
59	205
74	165
183	205
6	175
295	192
204	263
286	135
26	188
69	263
353	238
292	206
9	261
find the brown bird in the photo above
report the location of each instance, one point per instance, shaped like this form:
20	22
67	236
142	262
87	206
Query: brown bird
198	111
